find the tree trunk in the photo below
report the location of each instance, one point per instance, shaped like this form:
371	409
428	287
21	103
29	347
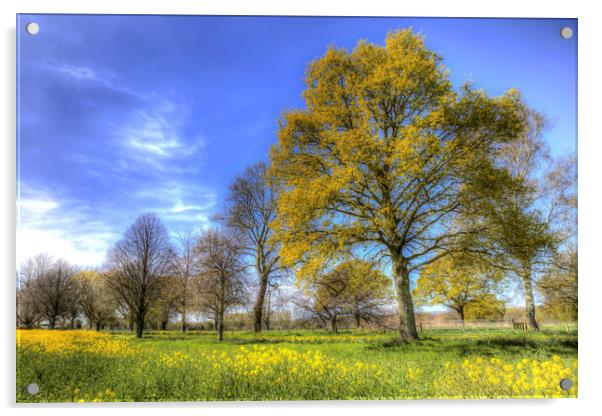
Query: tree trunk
184	327
358	320
405	309
220	326
258	308
529	300
139	325
333	324
323	323
461	313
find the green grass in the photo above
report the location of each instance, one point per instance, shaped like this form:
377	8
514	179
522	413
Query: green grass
171	366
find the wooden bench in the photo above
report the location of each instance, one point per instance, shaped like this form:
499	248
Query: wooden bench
519	325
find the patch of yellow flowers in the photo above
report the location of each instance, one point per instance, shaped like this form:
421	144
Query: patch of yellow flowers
261	361
102	396
67	342
268	362
261	372
493	377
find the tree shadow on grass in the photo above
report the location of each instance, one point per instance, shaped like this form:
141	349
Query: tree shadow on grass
490	346
243	341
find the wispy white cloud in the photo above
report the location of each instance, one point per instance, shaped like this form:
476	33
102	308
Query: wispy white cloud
82	75
181	204
70	229
60	227
37	206
77	72
151	134
154	135
179	207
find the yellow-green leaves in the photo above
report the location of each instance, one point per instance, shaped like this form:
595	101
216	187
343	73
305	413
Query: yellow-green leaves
460	283
381	154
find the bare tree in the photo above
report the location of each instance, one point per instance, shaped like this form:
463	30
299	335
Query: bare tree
73	308
137	264
185	267
221	282
316	308
251	208
36	266
28	313
96	301
54	292
275	302
123	312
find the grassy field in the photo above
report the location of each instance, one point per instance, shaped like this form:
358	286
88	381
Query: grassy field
82	366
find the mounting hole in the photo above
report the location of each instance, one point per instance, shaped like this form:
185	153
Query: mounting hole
566	32
32	28
566	384
32	388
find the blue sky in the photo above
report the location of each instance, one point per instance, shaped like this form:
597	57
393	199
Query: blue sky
120	115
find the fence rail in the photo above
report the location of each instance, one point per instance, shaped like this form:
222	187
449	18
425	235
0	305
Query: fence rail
483	324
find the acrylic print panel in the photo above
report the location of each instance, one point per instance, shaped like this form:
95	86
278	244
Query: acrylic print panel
295	208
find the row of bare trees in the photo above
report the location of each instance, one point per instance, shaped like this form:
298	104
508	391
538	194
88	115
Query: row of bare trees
147	278
46	290
146	275
205	271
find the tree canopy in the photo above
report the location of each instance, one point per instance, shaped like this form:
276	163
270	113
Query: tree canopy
355	288
524	225
458	282
559	287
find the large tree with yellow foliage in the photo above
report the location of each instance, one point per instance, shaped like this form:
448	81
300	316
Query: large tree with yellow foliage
382	158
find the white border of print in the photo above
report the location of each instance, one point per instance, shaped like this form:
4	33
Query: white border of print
590	169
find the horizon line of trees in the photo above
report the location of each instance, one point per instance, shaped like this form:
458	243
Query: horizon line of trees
57	294
341	297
